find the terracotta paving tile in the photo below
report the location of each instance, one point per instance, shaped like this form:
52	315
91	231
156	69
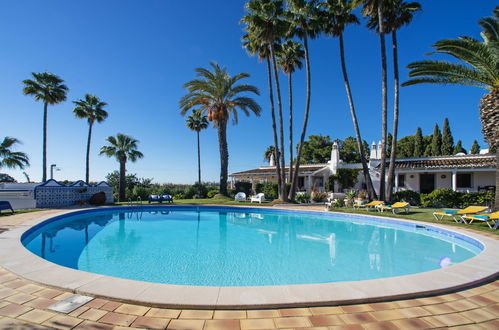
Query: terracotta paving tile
14	310
48	293
385	325
164	313
411	312
132	309
20	298
222	325
96	303
41	303
325	320
292	322
30	288
409	324
78	311
388	315
89	325
150	322
482	301
346	327
196	314
60	321
5	292
357	308
229	315
494	309
186	324
295	312
446	320
110	306
461	305
492	325
118	319
384	306
7	278
37	316
93	314
4	303
262	313
15	284
409	303
326	310
478	315
63	296
451	297
431	300
258	324
440	309
357	318
8	323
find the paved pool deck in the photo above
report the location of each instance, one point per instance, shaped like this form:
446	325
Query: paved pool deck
23	304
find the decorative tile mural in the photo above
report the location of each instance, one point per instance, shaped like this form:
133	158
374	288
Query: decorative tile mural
54	194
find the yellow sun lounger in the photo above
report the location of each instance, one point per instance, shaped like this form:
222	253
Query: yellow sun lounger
368	205
488	218
457	215
396	206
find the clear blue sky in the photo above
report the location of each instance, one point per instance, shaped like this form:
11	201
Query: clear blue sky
136	55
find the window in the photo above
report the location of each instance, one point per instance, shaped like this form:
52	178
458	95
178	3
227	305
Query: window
401	180
301	183
464	180
319	182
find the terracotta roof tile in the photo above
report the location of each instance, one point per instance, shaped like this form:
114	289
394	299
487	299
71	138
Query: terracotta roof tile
468	161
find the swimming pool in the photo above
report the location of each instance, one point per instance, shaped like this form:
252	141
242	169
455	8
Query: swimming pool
227	246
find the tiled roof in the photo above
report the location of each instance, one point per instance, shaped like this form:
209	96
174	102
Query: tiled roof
468	161
270	170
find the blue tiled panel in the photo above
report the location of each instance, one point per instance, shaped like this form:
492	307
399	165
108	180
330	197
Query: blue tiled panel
58	196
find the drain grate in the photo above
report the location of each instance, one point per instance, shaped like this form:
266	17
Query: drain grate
70	304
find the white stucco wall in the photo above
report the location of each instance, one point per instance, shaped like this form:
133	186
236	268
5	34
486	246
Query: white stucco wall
443	182
481	179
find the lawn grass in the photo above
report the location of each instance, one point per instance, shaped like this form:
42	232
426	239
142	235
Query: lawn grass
420	214
7	213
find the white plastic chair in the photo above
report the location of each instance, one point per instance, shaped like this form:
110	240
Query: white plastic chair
240	197
258	198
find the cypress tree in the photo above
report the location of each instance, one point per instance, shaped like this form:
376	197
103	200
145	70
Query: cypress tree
436	142
475	148
447	139
427	151
418	143
459	148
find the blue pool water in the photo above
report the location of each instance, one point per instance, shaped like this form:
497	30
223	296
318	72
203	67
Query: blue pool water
216	246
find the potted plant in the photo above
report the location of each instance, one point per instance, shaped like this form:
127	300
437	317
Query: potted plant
350	195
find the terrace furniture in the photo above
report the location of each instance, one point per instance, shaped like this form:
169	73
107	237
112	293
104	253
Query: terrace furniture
258	198
5	205
457	215
240	197
369	205
166	198
488	218
154	198
394	207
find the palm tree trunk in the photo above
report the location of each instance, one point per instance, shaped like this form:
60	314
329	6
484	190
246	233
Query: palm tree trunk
384	102
224	155
290	87
393	152
367	177
87	169
44	155
199	161
274	126
292	190
122	191
282	188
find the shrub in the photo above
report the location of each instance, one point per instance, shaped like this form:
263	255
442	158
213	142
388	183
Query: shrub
319	197
302	198
408	196
212	193
270	190
258	188
340	202
178	196
480	198
443	197
244	187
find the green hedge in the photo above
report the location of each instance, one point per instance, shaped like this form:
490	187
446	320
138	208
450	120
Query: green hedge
448	198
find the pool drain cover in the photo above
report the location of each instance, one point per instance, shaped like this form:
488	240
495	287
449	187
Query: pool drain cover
70	304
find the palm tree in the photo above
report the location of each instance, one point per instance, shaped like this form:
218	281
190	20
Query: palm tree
290	55
303	18
375	8
266	26
10	158
338	14
218	94
91	109
397	14
197	122
50	89
267	155
123	148
479	67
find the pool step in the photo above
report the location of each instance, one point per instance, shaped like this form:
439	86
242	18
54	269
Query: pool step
70	304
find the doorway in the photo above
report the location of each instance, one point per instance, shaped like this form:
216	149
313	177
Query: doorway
426	183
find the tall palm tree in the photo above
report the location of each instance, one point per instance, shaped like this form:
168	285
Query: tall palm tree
50	89
265	25
92	109
10	158
123	148
290	56
303	17
219	95
397	14
337	15
267	155
197	122
373	8
255	46
479	67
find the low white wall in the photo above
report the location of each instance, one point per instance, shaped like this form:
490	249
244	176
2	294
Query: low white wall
19	199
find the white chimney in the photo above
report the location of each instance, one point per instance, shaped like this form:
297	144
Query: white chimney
380	147
374	153
272	160
335	157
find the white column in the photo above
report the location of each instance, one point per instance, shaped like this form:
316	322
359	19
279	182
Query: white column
396	182
454	180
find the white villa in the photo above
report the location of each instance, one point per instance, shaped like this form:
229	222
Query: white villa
465	173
